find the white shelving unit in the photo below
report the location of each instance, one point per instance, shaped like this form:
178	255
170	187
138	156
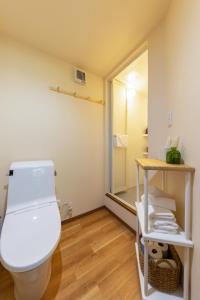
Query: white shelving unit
183	238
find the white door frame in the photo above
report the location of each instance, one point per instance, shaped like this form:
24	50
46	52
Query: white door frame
108	109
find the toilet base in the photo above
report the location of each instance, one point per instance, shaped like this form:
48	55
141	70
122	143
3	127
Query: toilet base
32	284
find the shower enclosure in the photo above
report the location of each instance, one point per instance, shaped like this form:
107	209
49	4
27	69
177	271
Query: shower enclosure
129	138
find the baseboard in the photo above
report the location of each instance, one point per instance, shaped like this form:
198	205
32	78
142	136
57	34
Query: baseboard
82	215
94	210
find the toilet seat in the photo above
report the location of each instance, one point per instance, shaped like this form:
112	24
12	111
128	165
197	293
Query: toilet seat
29	236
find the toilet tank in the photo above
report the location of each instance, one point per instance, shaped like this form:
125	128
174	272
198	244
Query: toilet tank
30	182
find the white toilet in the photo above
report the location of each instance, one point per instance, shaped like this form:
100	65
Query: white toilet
31	228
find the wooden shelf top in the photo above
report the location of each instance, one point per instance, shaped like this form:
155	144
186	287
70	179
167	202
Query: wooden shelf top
155	164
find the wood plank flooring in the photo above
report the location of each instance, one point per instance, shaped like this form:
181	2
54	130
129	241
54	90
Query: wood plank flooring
95	260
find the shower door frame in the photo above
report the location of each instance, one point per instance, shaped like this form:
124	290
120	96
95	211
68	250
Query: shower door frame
108	115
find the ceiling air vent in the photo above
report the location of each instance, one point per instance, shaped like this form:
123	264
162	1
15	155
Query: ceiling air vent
80	76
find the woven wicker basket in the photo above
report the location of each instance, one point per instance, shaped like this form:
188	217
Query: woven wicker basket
163	279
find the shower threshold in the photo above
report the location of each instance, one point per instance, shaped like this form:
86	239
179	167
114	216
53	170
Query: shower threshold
127	198
123	203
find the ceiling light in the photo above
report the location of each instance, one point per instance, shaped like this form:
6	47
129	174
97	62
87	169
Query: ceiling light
130	93
135	81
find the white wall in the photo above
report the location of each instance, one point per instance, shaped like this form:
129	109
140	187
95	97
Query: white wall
36	123
177	42
157	108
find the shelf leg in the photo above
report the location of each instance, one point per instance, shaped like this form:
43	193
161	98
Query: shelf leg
146	201
146	268
138	182
163	180
186	273
138	232
187	204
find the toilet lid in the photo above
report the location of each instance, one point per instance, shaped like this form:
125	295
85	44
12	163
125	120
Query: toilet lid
29	237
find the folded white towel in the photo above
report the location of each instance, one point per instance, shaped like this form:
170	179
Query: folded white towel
120	140
164	219
161	224
166	228
174	231
156	212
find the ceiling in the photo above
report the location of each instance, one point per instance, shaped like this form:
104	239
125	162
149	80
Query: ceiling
135	75
95	35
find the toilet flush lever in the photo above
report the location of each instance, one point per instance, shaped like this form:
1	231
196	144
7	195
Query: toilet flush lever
11	173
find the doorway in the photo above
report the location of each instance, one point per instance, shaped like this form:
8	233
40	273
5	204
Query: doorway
129	137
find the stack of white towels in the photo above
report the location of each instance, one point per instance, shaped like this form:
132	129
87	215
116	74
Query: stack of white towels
120	140
161	217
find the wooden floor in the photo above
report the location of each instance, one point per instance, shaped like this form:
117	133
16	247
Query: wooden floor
95	260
